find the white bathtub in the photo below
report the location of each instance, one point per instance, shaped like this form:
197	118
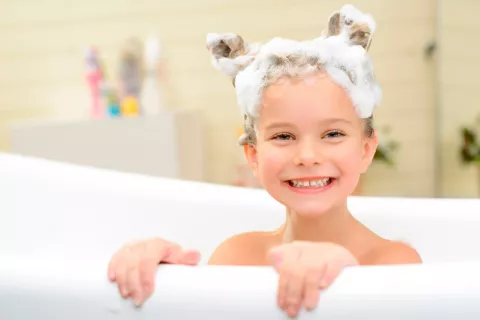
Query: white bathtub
60	224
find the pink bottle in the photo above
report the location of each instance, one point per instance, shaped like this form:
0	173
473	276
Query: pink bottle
94	78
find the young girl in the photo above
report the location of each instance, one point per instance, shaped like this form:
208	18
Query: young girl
308	137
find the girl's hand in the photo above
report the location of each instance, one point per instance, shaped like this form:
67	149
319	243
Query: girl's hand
304	269
133	267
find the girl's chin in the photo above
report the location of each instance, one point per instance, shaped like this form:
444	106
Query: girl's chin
312	210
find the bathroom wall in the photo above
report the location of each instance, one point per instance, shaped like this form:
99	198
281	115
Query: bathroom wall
458	93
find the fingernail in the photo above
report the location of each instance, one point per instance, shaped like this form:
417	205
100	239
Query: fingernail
190	260
324	283
292	312
136	300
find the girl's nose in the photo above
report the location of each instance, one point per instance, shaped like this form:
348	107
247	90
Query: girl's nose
307	154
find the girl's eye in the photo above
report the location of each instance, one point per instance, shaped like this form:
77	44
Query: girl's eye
334	134
283	136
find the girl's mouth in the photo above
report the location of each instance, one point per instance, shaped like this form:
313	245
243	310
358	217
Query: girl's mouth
311	183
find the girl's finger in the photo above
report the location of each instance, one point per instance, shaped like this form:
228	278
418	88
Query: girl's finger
133	284
294	292
313	279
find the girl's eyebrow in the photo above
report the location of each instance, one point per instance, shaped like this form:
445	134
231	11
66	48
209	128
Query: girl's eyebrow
276	125
335	120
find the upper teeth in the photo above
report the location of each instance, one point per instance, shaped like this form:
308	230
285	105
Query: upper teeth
313	183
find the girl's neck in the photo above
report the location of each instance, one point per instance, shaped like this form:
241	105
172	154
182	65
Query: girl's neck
335	226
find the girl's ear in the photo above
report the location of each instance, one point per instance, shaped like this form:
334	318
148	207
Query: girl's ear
368	151
251	156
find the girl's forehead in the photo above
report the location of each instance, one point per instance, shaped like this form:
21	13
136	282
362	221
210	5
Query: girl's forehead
306	103
317	93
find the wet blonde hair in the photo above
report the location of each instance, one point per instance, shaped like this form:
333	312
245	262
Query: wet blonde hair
341	52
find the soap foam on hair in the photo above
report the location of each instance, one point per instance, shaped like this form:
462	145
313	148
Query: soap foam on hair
341	52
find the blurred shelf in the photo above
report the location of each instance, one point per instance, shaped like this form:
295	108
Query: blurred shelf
170	144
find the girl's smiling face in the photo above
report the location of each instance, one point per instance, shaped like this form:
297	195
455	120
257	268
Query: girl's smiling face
311	146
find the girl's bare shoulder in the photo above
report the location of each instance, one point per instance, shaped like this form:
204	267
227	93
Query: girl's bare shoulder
248	248
394	252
